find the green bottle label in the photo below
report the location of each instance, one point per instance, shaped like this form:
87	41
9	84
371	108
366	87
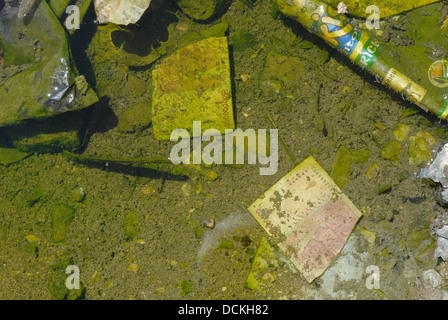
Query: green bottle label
366	51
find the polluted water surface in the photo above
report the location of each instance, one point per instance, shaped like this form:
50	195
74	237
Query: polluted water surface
135	138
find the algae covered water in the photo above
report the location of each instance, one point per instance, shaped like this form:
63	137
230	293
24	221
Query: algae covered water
89	184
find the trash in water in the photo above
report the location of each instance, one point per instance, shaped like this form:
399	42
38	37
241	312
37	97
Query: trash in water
193	84
122	12
420	79
437	171
439	227
308	216
386	8
38	78
260	276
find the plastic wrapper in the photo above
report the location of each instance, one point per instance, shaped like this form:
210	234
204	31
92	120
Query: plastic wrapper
37	77
427	90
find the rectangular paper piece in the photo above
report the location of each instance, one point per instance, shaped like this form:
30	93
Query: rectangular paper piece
193	84
308	216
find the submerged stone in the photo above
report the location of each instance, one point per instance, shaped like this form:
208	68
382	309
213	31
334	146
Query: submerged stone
225	244
186	287
57	282
193	84
136	85
135	118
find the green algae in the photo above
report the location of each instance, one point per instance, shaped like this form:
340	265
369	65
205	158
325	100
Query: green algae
419	152
156	164
61	217
131	225
48	135
57	281
384	189
59	6
243	40
34	197
343	162
279	72
263	261
10	155
225	244
50	142
202	9
391	151
135	118
218	30
401	132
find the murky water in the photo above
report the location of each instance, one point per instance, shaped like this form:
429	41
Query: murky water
137	233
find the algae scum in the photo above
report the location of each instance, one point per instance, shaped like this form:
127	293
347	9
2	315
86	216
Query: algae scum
91	186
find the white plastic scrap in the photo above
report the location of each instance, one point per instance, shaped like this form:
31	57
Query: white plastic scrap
441	249
122	12
342	8
432	278
439	227
437	171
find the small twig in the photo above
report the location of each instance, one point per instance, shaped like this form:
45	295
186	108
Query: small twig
281	137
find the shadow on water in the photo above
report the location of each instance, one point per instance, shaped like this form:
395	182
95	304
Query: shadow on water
97	118
27	9
149	32
79	43
133	170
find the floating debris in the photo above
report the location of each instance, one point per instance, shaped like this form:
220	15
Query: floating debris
364	49
308	216
437	171
38	79
193	84
260	276
121	12
439	227
387	8
209	223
